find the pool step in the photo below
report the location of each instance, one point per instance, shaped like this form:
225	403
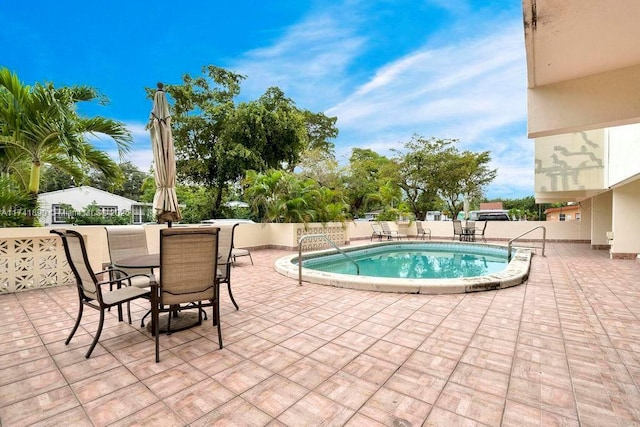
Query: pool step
534	249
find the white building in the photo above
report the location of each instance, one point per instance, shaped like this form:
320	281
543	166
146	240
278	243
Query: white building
583	69
52	210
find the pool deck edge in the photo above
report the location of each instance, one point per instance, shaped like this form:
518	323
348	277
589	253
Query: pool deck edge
516	273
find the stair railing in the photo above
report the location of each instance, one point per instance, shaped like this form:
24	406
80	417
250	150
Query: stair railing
325	237
544	239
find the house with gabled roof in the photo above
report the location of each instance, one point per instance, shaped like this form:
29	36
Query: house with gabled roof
52	205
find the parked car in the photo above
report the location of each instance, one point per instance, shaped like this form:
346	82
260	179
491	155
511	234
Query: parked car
493	217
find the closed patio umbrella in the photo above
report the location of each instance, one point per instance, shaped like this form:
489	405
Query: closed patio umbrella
165	201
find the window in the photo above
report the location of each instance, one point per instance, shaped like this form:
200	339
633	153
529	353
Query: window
562	217
108	210
577	216
59	214
137	213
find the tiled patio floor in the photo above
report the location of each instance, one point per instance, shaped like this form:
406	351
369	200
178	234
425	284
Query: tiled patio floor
563	349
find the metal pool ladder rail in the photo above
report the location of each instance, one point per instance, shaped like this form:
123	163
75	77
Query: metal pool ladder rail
544	240
324	236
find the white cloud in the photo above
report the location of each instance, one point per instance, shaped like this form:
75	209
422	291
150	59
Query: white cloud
307	62
471	90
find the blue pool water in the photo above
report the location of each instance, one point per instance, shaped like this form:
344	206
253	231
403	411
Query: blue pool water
415	261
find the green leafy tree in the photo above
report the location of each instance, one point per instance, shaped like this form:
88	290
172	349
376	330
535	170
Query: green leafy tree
436	164
148	189
55	179
280	196
368	174
40	125
320	130
525	208
421	195
130	186
330	205
217	141
268	193
323	168
195	202
12	200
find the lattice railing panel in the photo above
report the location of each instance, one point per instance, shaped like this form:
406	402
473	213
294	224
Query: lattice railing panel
32	263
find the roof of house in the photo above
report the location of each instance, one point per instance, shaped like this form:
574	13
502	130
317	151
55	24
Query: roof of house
569	208
87	188
489	206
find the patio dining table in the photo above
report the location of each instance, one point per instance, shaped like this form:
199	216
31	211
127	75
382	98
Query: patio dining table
139	261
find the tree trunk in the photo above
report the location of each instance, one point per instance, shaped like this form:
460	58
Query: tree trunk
34	179
32	200
31	207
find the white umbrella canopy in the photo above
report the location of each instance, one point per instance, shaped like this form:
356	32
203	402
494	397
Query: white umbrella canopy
165	201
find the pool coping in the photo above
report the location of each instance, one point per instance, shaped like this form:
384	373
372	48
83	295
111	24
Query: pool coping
516	273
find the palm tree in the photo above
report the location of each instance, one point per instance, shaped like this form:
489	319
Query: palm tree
11	197
279	196
40	125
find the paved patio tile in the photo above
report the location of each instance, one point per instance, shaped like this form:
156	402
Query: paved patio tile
561	349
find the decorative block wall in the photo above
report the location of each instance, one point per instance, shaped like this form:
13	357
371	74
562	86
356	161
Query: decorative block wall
337	234
31	263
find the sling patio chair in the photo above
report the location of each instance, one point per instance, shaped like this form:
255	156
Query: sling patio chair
480	231
126	241
90	284
189	266
377	232
391	233
422	231
240	252
457	229
226	257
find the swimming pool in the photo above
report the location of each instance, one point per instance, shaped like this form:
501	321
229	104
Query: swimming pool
411	261
448	279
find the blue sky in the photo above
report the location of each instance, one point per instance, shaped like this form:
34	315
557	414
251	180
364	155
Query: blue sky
387	69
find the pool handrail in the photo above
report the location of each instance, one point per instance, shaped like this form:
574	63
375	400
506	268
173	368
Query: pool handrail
325	237
544	239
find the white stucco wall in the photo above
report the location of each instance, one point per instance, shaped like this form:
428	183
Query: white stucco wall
601	218
624	152
570	162
625	208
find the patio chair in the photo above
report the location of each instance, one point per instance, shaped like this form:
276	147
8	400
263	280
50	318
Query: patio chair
90	285
457	229
240	252
391	233
377	232
125	241
225	258
422	231
469	231
188	262
480	231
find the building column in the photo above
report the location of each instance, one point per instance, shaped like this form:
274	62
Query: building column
601	220
626	230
